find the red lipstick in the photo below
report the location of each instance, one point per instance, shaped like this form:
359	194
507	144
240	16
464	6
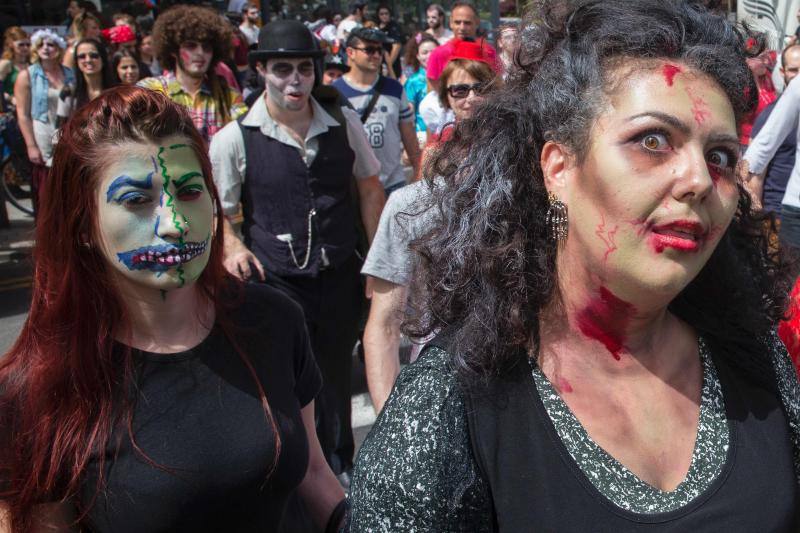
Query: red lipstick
682	235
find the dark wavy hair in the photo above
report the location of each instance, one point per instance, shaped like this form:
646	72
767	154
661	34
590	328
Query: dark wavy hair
487	267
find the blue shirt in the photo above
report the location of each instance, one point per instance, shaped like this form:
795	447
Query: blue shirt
416	88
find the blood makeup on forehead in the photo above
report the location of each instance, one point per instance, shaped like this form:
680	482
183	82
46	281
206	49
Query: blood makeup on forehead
605	319
669	72
700	109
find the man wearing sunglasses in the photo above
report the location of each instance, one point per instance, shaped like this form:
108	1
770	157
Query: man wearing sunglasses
301	167
382	104
192	43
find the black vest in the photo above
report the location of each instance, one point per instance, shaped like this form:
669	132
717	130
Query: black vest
536	486
280	192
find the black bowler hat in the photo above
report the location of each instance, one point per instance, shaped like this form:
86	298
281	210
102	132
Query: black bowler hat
284	38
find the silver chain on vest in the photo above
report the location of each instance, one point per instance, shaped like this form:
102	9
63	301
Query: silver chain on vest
287	238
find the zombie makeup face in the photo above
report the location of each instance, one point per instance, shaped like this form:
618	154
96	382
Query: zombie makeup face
657	189
155	214
48	50
288	81
194	58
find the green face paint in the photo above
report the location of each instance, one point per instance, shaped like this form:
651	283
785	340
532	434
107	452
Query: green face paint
155	214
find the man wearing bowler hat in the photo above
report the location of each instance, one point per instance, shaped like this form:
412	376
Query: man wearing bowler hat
301	167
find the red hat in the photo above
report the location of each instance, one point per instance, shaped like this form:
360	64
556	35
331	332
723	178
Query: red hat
474	51
119	34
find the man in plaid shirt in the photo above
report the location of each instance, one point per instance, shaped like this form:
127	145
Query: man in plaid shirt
190	43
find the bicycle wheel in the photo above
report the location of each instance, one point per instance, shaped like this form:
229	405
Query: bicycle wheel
16	182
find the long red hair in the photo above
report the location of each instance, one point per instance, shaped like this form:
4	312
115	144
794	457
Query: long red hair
63	387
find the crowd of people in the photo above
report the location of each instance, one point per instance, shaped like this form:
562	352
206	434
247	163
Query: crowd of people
586	230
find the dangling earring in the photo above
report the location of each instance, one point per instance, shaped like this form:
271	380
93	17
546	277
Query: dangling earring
556	219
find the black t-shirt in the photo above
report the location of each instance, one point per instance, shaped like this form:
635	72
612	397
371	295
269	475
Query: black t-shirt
198	415
393	31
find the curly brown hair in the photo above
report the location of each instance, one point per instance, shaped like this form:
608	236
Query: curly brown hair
190	23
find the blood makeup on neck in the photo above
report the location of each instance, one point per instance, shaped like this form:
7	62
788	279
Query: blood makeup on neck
605	319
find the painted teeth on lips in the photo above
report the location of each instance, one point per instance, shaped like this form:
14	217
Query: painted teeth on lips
173	256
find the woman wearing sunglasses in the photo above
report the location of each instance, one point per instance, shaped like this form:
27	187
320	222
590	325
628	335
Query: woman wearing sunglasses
467	77
93	77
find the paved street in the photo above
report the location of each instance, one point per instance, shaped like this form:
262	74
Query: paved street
15	271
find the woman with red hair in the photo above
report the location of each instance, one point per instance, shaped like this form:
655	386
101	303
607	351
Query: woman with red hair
147	390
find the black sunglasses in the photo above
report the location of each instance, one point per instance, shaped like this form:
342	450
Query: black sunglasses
90	55
370	50
462	90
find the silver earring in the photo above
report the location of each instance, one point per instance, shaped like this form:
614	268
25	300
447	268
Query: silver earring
556	219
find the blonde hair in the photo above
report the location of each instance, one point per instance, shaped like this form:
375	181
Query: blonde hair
14	33
78	28
39	37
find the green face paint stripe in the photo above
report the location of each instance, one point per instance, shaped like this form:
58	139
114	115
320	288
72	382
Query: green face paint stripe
176	146
186	177
171	203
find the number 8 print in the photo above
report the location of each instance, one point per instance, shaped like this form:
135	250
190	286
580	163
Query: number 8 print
375	134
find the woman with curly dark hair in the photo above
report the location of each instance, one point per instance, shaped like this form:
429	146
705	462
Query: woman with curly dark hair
605	296
191	43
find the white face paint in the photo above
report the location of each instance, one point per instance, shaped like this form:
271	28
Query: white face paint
289	81
155	214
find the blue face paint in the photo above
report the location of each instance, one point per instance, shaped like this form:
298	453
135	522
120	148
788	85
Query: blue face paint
125	180
162	257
